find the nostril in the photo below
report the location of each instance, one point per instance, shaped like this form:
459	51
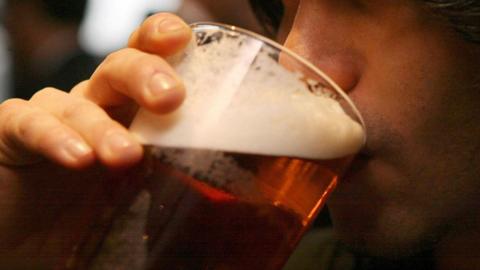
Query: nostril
343	65
342	70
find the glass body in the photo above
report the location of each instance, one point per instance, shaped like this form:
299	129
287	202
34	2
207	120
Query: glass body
230	180
249	219
238	173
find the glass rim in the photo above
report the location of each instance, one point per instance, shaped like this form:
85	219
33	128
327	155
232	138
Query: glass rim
292	54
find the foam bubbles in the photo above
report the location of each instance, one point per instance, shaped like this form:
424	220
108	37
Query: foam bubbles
240	100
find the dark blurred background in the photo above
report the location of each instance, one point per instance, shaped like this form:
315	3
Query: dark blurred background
60	42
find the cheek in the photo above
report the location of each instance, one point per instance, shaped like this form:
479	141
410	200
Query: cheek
409	86
420	121
421	110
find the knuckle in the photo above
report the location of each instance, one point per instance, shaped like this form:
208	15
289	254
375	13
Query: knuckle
112	62
133	39
9	111
118	55
23	124
130	63
26	125
76	109
46	138
109	60
46	93
104	124
11	105
79	88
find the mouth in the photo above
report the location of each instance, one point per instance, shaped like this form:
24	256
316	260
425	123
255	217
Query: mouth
358	163
363	156
366	152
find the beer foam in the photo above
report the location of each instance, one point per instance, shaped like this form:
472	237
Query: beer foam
240	99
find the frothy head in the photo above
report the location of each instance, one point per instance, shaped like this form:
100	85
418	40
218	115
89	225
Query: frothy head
241	99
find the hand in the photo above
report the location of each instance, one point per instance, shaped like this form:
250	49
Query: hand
55	147
77	128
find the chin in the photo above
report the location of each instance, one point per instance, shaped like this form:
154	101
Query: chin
377	229
370	223
383	245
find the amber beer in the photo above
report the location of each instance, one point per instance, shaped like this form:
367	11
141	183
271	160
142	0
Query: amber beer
199	222
237	173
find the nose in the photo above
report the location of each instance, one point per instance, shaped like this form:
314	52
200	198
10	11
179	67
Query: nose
327	53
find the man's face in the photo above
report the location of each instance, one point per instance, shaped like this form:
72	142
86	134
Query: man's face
415	81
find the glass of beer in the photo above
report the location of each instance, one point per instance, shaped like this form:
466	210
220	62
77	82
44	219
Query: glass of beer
237	174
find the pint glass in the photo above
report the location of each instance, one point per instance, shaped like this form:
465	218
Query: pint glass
237	174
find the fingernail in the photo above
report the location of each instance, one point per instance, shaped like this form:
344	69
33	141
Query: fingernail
116	141
118	149
76	149
161	82
170	24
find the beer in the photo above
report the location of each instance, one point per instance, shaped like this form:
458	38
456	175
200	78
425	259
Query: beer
237	173
199	222
233	177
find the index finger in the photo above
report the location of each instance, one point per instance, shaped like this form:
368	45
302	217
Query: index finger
163	34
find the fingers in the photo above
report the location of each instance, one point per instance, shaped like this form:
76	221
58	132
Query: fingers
74	129
66	129
111	142
27	129
129	73
139	73
163	34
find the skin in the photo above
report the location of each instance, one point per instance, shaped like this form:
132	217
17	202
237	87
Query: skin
80	136
415	186
221	11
